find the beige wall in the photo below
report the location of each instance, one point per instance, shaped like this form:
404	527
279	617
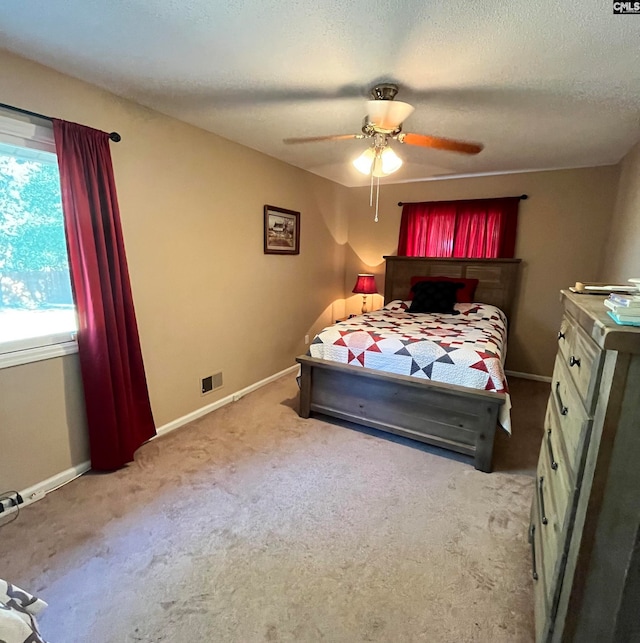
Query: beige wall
206	296
621	259
560	237
42	425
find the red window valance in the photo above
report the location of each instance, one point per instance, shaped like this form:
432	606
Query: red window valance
479	228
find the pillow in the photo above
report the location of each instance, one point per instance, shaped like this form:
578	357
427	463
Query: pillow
435	297
463	296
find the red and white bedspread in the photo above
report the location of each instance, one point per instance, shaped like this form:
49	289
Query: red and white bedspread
466	349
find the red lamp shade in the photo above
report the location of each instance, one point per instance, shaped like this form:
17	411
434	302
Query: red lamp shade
365	285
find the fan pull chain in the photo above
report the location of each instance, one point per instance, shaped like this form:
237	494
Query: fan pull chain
377	197
371	192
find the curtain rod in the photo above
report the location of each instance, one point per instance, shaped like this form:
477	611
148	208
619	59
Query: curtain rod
522	197
114	136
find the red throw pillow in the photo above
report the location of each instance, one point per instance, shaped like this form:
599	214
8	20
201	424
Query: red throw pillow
464	295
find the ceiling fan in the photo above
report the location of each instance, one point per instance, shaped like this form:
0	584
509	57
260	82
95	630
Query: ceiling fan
383	122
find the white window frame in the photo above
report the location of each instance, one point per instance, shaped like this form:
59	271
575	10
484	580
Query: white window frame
25	133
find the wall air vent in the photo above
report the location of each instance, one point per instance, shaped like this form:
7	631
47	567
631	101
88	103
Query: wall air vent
211	383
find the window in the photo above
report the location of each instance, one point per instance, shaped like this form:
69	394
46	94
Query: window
37	315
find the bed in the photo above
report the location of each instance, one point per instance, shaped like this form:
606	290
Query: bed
454	417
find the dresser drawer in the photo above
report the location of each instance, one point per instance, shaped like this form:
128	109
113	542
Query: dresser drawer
539	570
573	423
565	335
561	477
583	360
548	519
540	581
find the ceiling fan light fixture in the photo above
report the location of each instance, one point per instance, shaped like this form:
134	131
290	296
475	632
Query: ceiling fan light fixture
378	168
378	163
364	162
388	114
390	161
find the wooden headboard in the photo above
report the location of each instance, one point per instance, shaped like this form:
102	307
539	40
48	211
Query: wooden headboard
497	278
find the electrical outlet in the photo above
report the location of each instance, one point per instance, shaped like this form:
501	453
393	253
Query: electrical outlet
306	339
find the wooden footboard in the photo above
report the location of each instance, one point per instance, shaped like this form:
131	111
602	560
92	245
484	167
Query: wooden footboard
453	417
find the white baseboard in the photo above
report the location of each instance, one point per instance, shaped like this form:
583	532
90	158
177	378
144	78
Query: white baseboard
529	376
234	397
40	489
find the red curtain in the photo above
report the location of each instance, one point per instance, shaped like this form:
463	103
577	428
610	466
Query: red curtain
115	387
475	228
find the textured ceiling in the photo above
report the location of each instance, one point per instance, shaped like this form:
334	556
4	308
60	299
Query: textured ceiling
542	84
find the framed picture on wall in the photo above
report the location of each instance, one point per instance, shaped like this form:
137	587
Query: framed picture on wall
281	231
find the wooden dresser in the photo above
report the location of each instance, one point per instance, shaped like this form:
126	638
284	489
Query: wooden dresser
585	516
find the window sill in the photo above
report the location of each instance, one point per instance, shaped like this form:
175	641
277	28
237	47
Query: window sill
27	355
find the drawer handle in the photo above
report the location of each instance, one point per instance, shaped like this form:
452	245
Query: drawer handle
563	409
543	517
554	464
532	539
574	361
561	335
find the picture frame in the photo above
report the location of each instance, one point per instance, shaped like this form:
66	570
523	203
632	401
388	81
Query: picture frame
281	231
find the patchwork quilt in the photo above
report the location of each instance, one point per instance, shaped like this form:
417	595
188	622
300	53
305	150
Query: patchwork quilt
18	610
467	349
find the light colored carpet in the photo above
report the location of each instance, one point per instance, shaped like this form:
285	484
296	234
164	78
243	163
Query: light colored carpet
252	524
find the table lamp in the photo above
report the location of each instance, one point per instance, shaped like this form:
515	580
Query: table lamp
365	285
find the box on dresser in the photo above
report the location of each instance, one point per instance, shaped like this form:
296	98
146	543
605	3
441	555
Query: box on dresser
585	515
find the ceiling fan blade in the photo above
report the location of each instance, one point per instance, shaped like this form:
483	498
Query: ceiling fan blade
438	143
388	114
314	139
